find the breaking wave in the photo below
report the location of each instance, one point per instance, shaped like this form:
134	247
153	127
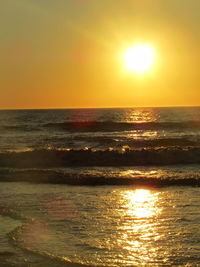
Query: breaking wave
109	157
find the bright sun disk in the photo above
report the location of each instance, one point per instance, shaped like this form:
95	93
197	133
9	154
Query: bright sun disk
139	58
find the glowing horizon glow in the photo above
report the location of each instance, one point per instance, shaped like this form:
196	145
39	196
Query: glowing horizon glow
139	58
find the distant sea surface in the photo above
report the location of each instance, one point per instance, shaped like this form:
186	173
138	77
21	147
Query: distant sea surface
107	187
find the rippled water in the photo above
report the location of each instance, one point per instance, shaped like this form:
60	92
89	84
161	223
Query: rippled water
111	187
110	226
98	128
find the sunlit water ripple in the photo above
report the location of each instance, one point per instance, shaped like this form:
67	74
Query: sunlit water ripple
135	197
108	226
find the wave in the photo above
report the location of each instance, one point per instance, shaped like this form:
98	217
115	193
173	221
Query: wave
110	126
143	143
100	142
103	126
98	179
109	157
21	235
23	128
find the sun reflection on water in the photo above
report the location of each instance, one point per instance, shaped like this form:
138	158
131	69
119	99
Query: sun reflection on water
139	229
141	115
141	203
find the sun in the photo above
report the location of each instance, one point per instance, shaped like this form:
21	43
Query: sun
139	58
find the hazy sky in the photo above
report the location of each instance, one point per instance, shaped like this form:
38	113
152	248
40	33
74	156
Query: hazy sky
69	53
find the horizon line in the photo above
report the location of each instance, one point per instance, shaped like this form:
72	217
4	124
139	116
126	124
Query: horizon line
114	107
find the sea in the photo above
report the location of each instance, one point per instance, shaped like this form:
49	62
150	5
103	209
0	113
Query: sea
100	187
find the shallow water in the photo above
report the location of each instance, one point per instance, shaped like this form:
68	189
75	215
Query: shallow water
111	226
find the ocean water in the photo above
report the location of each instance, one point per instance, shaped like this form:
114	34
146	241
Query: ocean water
105	187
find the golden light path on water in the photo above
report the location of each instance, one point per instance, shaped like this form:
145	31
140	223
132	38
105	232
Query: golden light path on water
141	116
139	227
141	203
111	226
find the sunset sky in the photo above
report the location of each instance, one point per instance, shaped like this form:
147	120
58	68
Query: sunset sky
70	53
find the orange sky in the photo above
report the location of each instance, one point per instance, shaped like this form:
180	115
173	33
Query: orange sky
62	54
